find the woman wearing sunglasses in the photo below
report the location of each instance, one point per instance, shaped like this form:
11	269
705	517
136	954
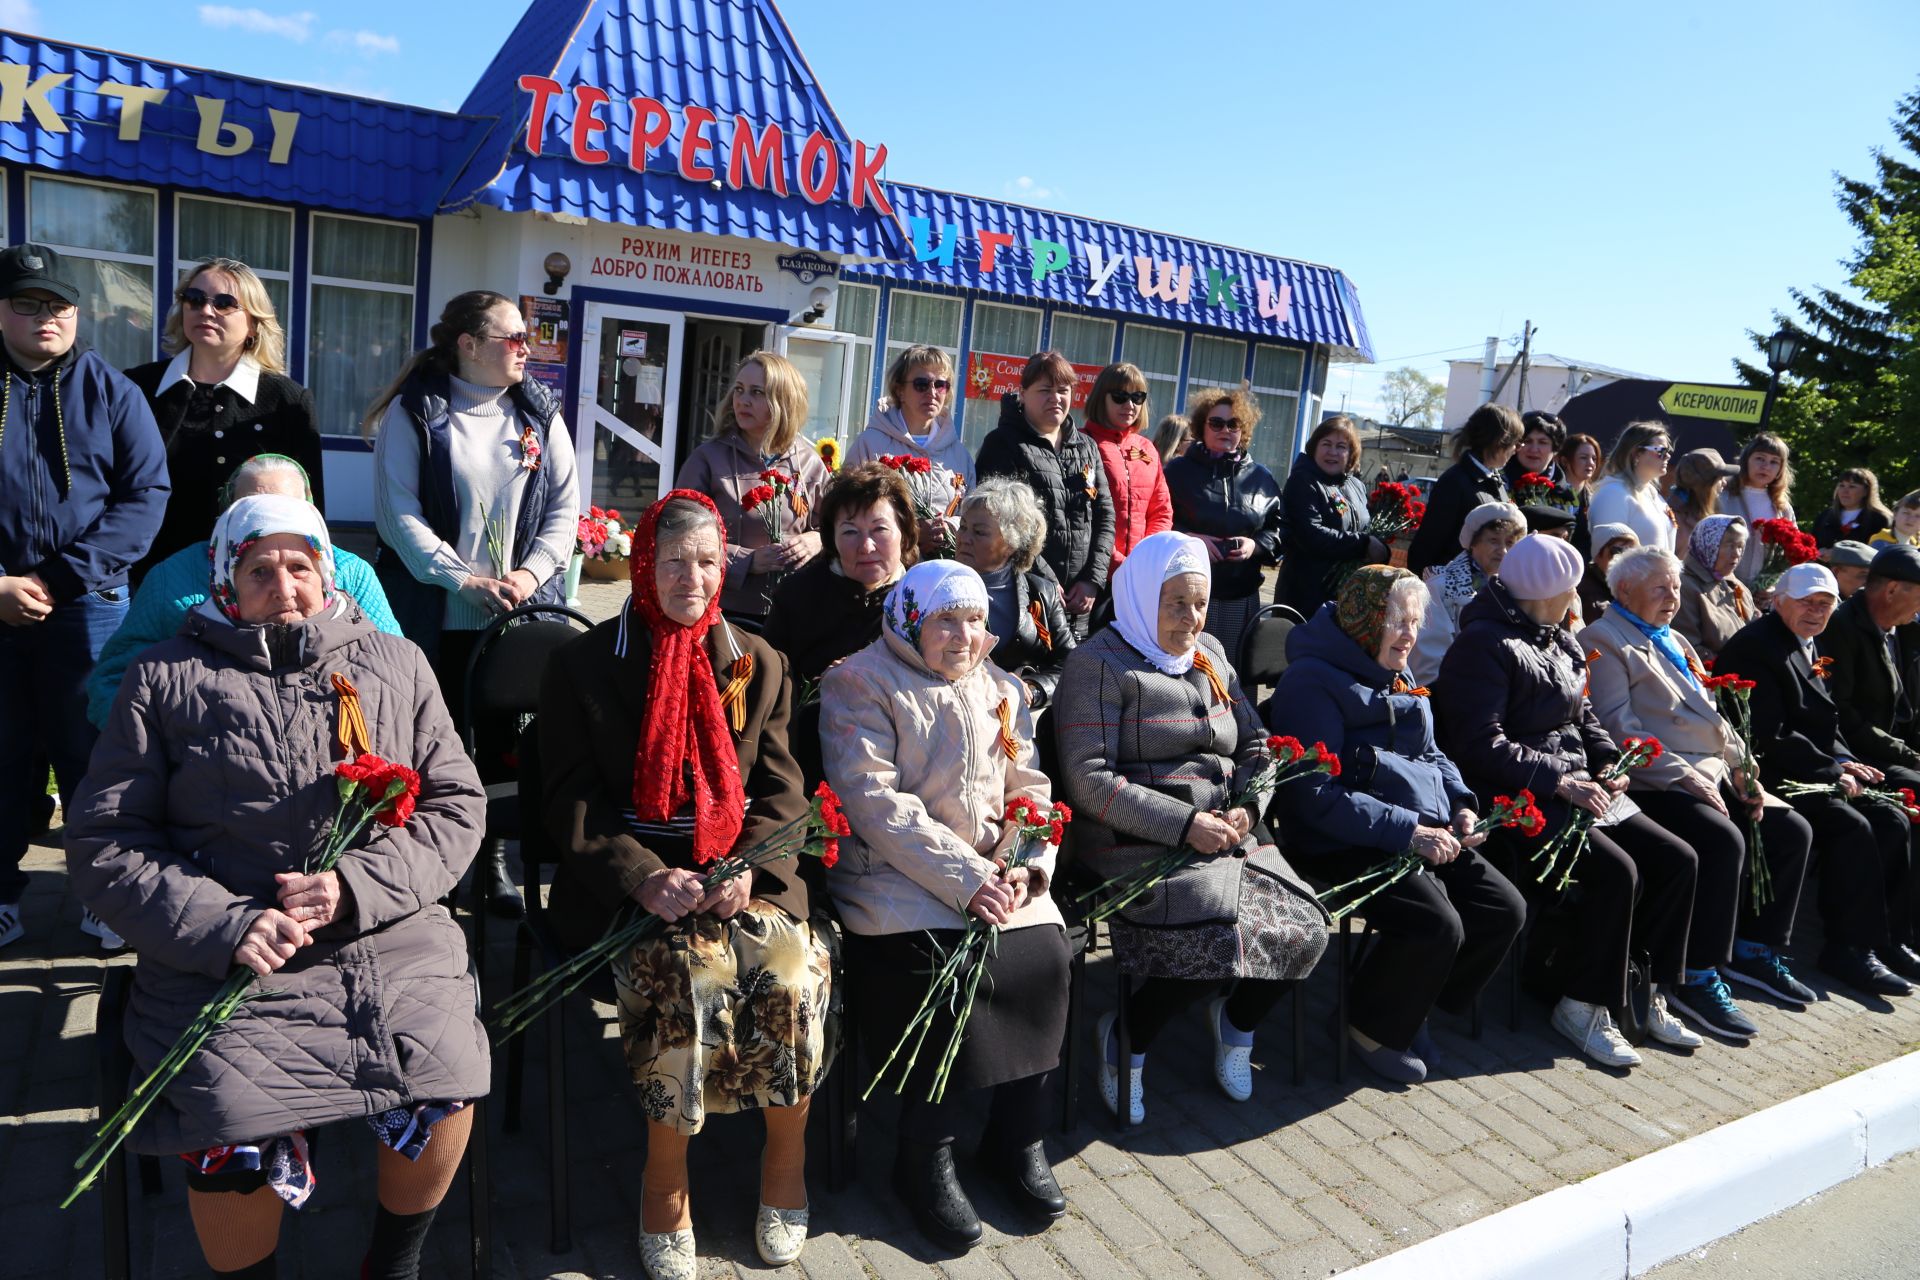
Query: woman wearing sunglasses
222	397
916	419
1230	503
475	499
1630	492
1117	411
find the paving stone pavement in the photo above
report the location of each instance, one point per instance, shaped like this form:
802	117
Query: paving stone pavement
1304	1180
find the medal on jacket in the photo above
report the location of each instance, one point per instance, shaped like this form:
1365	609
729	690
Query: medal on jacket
529	450
1086	474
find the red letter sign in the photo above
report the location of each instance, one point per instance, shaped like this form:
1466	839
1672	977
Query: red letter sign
542	88
587	102
818	149
651	125
754	164
866	180
693	142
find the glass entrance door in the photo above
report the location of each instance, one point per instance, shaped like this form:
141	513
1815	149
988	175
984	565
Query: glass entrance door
825	360
626	424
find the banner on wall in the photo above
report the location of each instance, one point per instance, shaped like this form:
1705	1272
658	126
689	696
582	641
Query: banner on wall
990	376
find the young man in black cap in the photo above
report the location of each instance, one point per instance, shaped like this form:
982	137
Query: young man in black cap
83	484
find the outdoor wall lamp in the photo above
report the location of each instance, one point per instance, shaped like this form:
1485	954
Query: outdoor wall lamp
556	266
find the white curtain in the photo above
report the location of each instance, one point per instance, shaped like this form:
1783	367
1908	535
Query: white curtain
1082	339
357	341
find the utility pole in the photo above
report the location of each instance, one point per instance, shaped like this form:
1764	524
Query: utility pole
1526	357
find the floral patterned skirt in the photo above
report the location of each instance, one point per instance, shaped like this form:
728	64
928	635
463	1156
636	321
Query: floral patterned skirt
1277	933
728	1015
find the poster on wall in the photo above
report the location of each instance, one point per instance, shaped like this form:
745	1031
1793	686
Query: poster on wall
546	320
990	376
551	376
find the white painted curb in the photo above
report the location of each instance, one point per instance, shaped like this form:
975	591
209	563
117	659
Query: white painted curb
1626	1221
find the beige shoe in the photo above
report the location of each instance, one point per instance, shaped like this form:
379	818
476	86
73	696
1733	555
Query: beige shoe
668	1255
779	1234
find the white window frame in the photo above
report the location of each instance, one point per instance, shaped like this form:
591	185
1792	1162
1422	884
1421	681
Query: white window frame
890	348
1179	358
1113	331
847	286
107	255
861	401
315	280
1246	350
180	261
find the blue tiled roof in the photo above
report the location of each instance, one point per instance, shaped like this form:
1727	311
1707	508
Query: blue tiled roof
357	154
1323	309
726	55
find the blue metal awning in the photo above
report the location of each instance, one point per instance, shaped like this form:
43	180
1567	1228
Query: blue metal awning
208	131
732	58
1037	255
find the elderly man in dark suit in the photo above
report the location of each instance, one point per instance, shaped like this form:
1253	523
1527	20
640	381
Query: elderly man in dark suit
1875	700
1797	737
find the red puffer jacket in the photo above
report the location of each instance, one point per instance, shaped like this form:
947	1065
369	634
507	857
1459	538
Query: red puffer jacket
1141	504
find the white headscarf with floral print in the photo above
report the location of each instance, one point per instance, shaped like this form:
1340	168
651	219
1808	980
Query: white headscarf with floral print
261	516
930	587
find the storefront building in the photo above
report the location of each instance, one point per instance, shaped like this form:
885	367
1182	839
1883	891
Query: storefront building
664	192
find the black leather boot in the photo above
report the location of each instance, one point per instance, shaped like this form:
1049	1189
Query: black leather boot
503	899
1027	1175
924	1174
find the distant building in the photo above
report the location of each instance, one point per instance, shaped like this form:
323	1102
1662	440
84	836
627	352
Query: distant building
1418	451
1550	382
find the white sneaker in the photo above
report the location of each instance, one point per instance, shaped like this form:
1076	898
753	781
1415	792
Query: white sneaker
1667	1029
1591	1028
11	928
1232	1063
779	1234
668	1255
93	926
1110	1076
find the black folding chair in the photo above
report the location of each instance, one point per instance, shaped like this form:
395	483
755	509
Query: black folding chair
1263	650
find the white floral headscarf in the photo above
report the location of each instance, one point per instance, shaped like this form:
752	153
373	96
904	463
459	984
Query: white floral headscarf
931	587
261	516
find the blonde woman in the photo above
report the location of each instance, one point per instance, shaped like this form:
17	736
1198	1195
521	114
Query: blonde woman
758	430
1759	492
916	419
1630	493
221	397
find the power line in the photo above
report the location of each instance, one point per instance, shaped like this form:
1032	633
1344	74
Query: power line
1471	346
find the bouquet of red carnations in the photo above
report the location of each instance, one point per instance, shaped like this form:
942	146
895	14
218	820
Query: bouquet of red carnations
1735	699
1564	850
1537	489
1786	546
1519	812
1393	509
371	790
765	499
936	492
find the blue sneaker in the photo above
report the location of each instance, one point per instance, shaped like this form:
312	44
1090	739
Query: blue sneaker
1706	1002
1768	971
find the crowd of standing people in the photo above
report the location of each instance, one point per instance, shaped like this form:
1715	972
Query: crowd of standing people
1063	630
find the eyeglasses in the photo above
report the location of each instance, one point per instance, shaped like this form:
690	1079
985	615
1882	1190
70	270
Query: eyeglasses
924	384
1127	397
1223	424
511	339
223	303
1659	450
58	308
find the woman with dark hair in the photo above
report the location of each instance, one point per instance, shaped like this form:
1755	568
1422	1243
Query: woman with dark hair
221	397
1229	503
1699	475
831	605
1762	491
1857	512
1117	410
1001	531
1541	436
1324	517
1630	494
758	429
1038	443
1485	444
663	736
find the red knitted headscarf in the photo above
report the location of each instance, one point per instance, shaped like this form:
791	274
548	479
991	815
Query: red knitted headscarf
686	753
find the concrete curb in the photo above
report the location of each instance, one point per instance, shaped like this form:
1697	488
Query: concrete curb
1626	1221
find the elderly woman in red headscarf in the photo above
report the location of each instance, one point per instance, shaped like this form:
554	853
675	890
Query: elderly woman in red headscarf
663	735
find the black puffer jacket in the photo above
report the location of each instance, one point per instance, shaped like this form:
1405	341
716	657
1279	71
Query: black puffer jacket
1460	488
1032	655
1228	497
1071	485
1512	704
1325	517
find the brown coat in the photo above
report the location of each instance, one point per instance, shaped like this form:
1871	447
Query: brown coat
592	704
1711	612
725	468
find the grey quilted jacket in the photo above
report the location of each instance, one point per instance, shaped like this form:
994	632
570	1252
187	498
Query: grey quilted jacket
1142	752
214	772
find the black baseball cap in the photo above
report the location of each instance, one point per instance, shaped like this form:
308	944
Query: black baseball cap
34	266
1902	564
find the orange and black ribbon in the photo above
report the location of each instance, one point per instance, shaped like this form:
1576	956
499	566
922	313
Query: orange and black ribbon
352	733
1008	743
1586	690
1204	665
1822	668
734	696
1039	617
1403	685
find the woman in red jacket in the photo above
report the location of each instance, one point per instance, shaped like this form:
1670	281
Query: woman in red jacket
1117	411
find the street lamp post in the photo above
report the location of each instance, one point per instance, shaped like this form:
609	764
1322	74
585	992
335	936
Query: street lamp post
1782	347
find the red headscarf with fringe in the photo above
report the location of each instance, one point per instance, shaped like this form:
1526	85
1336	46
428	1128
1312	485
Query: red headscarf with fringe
686	754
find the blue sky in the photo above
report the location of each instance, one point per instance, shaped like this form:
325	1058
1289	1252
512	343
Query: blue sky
1644	182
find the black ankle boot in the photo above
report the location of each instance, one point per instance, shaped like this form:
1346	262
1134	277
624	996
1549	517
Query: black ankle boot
502	898
265	1269
1027	1175
924	1174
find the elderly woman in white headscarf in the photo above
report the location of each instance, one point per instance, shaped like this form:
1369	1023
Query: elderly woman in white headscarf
927	744
1156	740
1489	530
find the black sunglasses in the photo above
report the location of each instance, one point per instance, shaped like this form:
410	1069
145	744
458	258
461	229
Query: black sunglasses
1128	397
1224	424
223	303
924	384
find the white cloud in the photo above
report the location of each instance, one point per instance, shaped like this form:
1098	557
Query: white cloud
19	15
367	43
293	26
1028	191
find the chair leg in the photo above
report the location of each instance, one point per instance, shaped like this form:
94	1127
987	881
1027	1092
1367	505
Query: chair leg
1513	980
479	1194
1070	1053
1123	1046
517	1047
1342	957
559	1206
115	1242
1299	1033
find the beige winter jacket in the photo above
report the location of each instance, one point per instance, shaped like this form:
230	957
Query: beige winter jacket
917	762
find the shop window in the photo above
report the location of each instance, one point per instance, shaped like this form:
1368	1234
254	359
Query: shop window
1276	385
1157	352
997	330
1083	339
107	236
1217	362
361	314
922	319
854	311
259	235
